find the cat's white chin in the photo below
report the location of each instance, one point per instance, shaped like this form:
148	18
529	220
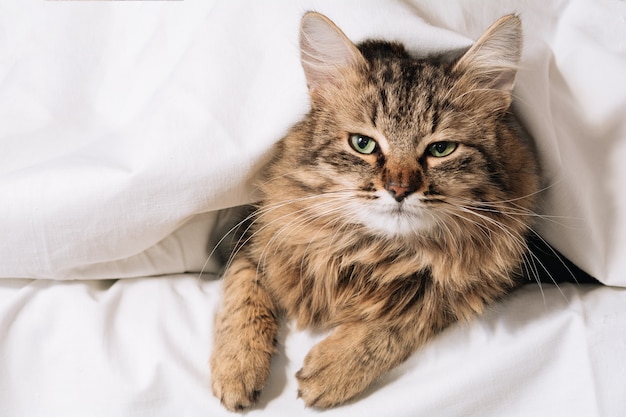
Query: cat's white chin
388	217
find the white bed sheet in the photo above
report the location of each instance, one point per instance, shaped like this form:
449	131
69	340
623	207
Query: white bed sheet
139	347
127	126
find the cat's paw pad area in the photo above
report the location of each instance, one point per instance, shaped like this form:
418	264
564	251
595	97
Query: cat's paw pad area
316	390
327	380
237	382
234	395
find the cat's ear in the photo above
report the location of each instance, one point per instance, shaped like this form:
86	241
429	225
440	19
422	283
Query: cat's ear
325	51
492	62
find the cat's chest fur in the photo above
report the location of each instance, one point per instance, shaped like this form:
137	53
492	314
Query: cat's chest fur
342	277
329	285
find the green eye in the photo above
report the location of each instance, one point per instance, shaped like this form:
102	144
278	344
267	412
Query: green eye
441	149
363	144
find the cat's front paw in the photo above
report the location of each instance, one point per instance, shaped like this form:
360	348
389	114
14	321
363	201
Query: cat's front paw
237	378
330	376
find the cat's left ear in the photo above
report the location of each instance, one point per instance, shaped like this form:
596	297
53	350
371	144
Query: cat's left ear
326	52
492	62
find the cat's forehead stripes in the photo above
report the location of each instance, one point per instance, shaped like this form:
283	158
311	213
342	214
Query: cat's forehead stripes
407	93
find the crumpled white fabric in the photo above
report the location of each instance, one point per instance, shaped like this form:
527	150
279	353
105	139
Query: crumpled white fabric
140	347
124	123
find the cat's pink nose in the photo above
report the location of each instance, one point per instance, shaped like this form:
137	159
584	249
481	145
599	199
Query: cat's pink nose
398	191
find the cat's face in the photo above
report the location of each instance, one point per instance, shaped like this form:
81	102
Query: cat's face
403	146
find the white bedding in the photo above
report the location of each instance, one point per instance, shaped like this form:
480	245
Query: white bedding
126	126
138	347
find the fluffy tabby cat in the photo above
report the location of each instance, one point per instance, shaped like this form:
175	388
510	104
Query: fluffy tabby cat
399	205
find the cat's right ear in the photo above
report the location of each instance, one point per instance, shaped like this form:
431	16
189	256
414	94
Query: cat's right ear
491	63
325	51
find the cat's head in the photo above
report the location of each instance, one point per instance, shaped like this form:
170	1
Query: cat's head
403	145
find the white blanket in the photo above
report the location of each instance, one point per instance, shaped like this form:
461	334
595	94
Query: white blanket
126	126
138	347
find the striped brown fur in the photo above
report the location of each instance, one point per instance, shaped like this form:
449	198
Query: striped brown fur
385	248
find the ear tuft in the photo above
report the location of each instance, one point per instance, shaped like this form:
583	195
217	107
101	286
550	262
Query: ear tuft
493	60
325	50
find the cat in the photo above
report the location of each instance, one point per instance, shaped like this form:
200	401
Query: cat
399	205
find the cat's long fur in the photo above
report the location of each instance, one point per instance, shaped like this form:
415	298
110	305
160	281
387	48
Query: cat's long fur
385	248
